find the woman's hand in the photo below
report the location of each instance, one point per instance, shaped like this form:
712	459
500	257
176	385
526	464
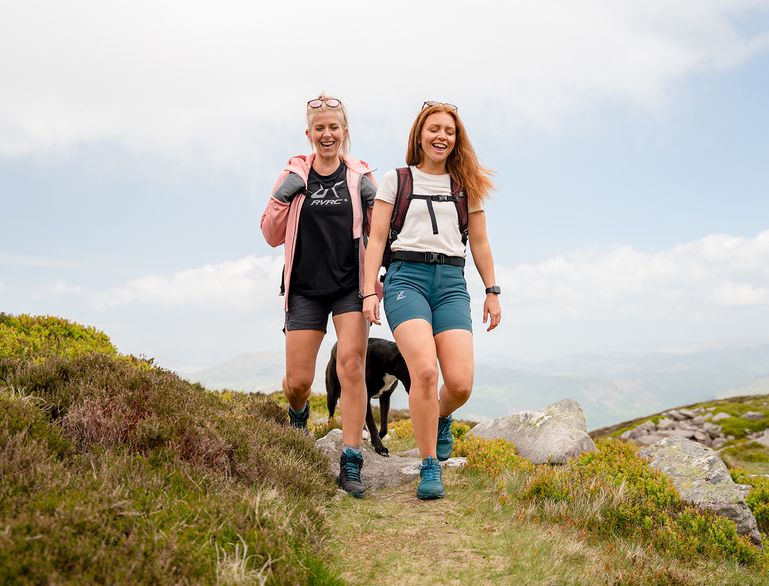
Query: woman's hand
491	309
371	309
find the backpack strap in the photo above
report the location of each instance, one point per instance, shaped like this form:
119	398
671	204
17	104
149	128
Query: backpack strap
402	201
460	201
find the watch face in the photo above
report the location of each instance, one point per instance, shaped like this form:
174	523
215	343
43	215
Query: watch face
495	289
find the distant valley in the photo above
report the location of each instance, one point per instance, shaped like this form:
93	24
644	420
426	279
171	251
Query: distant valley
610	388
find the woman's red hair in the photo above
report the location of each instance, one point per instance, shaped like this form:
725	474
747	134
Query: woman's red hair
462	163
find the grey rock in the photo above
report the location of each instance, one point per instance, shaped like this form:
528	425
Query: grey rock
677	432
377	471
702	437
699	420
718	443
710	409
708	416
754	415
649	439
638	431
720	416
688	413
675	414
538	436
665	423
763	438
702	479
744	489
568	412
712	428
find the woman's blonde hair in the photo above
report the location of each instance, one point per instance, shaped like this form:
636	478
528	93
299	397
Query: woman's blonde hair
462	163
340	109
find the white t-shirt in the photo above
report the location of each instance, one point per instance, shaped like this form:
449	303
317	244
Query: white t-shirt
417	233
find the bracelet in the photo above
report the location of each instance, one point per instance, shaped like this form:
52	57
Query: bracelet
369	295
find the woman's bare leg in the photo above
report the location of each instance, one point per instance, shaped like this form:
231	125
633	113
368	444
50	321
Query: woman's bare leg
301	353
415	342
352	342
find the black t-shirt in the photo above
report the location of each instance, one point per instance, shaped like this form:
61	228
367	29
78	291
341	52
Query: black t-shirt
325	258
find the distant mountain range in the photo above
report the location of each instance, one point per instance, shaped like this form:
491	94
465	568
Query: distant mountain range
610	388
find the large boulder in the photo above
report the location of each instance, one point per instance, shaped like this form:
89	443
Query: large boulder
703	480
550	436
378	471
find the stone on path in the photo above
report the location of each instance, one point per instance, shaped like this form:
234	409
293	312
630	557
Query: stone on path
550	436
702	479
378	471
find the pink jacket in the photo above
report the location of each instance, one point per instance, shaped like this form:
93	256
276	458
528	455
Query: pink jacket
280	220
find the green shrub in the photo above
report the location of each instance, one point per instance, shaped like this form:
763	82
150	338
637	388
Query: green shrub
41	337
613	492
758	497
489	456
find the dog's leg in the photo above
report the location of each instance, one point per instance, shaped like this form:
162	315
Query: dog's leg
333	387
384	411
375	439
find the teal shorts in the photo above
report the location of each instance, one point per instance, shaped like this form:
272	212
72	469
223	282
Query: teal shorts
436	293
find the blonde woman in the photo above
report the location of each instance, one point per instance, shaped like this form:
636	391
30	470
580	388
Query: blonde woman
319	209
425	293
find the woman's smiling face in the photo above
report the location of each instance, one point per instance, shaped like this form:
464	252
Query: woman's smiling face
327	133
437	139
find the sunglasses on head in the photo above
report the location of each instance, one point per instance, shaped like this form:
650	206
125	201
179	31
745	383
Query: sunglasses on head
318	102
451	107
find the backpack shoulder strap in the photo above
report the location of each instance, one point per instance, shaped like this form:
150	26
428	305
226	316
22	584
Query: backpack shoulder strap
402	201
460	201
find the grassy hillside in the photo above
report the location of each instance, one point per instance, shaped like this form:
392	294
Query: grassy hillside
117	471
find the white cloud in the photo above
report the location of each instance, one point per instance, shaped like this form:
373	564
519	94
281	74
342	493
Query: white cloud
703	293
221	81
236	285
741	294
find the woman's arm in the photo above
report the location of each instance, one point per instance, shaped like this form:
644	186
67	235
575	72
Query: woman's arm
484	262
275	216
380	228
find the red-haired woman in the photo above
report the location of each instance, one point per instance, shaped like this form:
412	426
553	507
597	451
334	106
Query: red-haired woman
318	209
425	293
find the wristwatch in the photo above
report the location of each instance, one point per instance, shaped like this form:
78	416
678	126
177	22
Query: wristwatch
493	289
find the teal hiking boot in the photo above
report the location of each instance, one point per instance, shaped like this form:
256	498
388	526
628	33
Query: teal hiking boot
349	473
298	419
445	439
430	483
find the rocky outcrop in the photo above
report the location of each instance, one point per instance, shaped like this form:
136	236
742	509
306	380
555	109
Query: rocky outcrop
550	436
694	424
702	479
378	471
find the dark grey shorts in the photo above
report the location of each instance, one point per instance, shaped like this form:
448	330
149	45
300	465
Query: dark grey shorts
311	313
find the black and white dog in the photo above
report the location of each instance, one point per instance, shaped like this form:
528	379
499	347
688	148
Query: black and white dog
384	368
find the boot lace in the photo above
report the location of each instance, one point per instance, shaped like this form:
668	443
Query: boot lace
431	472
351	467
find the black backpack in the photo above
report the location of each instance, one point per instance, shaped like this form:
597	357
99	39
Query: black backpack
403	197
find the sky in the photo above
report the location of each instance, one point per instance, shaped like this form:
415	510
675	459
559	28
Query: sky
139	142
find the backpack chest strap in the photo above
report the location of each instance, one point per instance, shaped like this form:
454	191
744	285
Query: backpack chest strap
429	199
